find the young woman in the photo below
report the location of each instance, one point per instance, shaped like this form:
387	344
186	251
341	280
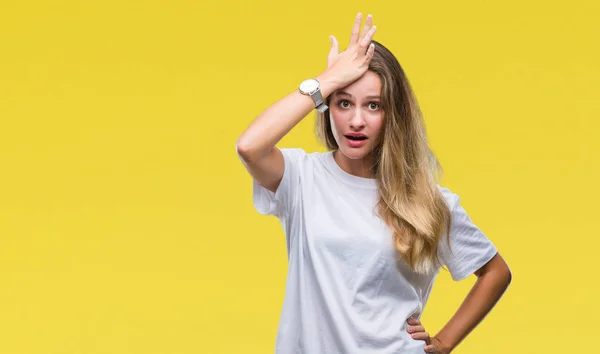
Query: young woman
367	226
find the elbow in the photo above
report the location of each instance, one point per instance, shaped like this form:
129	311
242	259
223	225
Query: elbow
497	269
504	276
245	150
507	275
242	149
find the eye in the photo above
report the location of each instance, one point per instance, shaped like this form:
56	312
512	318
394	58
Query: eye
374	106
344	103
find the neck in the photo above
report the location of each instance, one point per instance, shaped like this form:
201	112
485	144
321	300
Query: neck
357	167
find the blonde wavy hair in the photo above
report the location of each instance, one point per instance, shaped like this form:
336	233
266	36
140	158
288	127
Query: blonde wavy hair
409	201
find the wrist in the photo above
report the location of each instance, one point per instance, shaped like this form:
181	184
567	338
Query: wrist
442	345
327	83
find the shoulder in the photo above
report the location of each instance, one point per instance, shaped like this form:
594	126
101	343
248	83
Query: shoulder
301	152
301	156
452	199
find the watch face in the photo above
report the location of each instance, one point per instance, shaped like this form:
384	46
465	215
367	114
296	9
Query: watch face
309	85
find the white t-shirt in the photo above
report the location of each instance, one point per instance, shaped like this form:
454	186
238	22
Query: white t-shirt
345	290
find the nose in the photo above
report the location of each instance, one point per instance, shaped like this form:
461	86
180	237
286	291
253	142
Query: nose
357	121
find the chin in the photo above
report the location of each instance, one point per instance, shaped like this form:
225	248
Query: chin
354	153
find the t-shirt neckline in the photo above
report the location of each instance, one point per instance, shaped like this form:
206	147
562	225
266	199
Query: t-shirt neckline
347	177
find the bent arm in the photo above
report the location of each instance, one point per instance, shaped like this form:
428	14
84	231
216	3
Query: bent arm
276	121
493	280
256	145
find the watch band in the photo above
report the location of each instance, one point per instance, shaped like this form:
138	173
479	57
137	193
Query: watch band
320	106
310	87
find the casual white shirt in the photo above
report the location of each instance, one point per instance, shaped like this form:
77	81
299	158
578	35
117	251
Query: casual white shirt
346	290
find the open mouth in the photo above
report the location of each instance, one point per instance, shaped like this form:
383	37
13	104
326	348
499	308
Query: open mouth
356	138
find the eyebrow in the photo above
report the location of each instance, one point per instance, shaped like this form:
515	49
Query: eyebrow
347	94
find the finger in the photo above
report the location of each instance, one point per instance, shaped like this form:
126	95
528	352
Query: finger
368	24
366	40
334	46
411	321
370	52
333	52
421	336
429	349
356	29
414	329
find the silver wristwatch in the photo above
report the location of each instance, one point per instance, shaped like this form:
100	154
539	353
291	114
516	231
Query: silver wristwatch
311	87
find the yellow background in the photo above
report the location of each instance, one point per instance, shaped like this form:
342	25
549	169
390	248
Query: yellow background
126	223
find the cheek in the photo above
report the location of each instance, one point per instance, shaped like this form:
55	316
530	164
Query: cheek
377	124
336	135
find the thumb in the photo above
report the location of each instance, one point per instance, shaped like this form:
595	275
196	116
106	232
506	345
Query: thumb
334	46
333	52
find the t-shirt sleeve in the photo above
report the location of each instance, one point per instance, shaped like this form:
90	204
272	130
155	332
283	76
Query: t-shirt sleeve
287	196
470	248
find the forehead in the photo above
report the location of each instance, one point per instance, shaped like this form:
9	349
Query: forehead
368	85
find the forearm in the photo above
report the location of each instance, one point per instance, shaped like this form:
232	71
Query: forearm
484	295
277	120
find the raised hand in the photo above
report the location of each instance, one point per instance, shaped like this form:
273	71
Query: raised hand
349	65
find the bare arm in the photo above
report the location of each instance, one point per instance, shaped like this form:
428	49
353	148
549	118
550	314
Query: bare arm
493	280
258	140
256	145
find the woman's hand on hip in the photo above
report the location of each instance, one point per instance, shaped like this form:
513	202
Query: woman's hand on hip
418	332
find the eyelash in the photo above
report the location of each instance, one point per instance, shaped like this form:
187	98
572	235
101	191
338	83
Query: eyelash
339	103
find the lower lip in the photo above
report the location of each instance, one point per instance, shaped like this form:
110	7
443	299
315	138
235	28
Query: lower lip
356	143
